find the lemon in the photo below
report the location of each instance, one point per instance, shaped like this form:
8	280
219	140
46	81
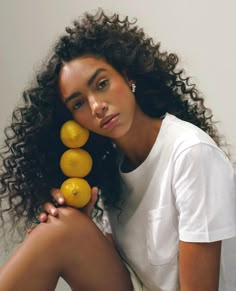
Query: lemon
76	192
76	163
73	135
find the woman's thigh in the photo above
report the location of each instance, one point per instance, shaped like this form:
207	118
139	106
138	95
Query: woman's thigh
90	261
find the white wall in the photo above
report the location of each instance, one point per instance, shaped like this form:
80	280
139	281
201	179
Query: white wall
202	33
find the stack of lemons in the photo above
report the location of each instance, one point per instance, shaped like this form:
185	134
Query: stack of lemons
75	163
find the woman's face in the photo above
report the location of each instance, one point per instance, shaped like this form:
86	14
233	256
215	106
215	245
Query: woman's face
99	98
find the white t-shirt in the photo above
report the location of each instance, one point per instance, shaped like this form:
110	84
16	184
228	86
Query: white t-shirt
184	190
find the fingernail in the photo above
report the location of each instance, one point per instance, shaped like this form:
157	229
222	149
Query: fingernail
60	200
41	216
53	211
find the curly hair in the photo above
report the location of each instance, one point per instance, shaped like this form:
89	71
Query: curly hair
30	157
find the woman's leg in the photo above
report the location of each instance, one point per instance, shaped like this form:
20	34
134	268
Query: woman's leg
70	246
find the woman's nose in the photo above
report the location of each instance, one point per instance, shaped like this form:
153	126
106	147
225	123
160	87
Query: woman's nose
98	108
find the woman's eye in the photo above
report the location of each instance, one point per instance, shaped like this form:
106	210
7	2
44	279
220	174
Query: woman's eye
102	84
77	105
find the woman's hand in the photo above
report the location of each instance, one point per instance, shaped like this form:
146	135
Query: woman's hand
51	209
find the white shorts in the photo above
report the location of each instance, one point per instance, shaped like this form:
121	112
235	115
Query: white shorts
137	284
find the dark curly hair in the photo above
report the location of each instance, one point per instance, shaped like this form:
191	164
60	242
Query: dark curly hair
30	156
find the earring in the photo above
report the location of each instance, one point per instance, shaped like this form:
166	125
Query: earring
133	87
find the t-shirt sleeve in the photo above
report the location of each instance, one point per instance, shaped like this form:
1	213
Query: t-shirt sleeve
204	184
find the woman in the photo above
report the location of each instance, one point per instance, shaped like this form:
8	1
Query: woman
168	188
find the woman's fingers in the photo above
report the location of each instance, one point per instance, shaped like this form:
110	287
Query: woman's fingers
57	196
43	217
89	207
94	196
29	230
50	209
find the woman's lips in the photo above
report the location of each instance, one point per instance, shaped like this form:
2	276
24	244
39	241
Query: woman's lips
109	121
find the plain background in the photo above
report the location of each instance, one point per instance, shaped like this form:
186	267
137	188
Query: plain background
201	32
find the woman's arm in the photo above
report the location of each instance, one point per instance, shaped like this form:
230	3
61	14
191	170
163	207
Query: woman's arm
199	265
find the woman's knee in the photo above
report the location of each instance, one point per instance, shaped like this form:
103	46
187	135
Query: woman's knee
73	220
70	227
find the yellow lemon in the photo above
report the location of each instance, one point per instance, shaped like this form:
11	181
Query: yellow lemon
76	163
73	135
76	192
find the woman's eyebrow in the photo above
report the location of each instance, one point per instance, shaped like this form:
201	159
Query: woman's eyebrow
72	96
90	81
93	77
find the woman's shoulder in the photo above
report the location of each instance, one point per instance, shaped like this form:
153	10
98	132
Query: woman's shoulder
184	134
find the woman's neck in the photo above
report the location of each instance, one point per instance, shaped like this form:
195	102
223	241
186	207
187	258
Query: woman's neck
138	142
